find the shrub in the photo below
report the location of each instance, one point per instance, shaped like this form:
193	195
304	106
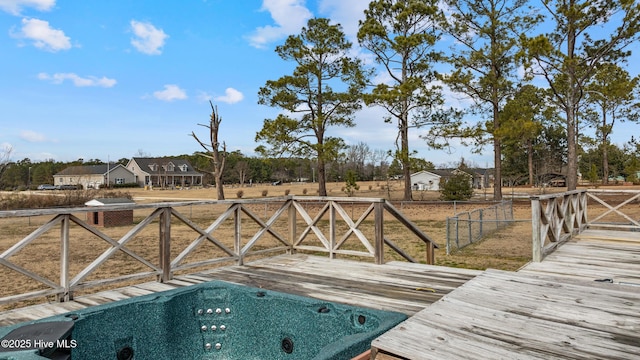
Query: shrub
457	188
265	192
304	191
239	194
350	183
286	192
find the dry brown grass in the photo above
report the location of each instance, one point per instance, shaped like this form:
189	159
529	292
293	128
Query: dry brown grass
507	249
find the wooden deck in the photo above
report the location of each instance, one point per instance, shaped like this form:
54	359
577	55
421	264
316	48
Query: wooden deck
397	286
554	309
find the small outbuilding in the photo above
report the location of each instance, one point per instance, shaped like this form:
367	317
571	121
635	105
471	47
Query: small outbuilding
110	218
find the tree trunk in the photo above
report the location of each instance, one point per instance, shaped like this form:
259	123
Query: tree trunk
322	178
605	150
219	186
530	160
406	164
572	158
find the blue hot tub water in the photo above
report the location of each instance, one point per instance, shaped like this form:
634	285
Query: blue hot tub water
215	320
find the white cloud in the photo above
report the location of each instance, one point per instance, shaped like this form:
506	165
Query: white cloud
345	13
289	17
231	96
78	81
43	35
149	39
170	93
14	7
32	136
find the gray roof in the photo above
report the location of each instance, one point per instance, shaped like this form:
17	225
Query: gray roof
88	169
146	163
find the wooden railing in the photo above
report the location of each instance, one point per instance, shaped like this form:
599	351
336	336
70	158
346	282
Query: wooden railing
558	217
290	211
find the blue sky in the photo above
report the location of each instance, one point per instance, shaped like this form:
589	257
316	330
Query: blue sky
115	79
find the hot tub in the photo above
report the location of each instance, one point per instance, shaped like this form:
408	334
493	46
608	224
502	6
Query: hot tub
214	320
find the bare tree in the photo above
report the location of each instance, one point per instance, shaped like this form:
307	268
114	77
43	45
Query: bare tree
5	155
212	149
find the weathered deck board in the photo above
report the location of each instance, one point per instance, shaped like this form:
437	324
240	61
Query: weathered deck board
548	310
515	315
393	286
594	255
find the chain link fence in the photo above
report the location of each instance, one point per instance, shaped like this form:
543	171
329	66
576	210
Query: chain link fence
467	227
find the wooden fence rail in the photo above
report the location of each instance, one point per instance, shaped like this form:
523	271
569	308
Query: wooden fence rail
556	218
291	209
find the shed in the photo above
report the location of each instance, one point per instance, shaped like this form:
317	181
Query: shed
110	218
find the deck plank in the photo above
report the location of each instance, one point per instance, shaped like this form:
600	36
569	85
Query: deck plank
514	315
548	310
407	288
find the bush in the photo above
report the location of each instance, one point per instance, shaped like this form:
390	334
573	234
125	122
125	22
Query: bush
304	191
457	188
265	192
239	194
286	192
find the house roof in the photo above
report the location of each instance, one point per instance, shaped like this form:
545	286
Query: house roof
432	172
89	169
146	164
109	201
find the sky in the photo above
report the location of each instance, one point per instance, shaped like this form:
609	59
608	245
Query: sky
86	79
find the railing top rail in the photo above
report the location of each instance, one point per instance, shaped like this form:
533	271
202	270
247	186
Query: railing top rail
555	195
613	191
116	207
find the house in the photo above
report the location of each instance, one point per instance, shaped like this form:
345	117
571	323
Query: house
110	218
164	172
93	176
431	180
426	180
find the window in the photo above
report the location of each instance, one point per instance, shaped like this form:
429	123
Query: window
153	167
119	181
171	167
184	167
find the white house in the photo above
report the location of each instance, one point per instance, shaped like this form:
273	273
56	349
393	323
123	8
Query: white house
94	176
425	180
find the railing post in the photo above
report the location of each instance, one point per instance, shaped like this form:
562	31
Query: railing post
165	245
535	230
332	231
378	209
66	294
237	234
292	227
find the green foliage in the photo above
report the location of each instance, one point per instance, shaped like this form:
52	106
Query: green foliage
321	53
485	64
457	187
351	183
568	55
402	36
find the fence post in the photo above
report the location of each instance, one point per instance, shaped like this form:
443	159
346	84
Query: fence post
165	245
469	227
448	237
378	209
66	294
481	212
535	229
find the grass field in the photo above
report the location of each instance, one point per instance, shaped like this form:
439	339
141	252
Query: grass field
507	249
